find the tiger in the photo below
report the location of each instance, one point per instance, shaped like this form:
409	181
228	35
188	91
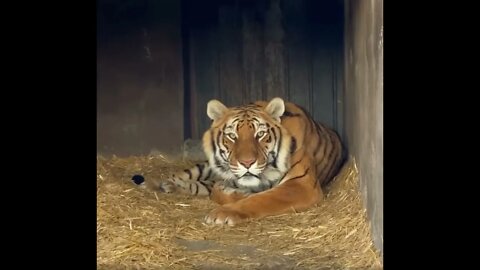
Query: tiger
264	159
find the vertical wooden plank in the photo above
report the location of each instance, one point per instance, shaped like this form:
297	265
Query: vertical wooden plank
275	62
206	77
326	21
187	71
298	53
203	24
232	90
323	89
364	113
266	48
339	88
139	86
253	51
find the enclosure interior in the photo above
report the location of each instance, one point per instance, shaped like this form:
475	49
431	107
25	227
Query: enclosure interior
159	62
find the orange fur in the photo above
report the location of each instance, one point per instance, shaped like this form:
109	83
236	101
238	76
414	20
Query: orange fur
293	196
301	187
264	159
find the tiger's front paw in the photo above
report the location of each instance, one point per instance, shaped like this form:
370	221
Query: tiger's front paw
224	195
226	215
167	187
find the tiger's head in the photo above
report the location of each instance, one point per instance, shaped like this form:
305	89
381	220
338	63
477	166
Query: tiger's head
244	141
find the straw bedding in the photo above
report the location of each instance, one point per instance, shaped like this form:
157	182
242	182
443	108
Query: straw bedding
142	229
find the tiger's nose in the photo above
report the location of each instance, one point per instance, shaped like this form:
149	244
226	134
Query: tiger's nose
247	163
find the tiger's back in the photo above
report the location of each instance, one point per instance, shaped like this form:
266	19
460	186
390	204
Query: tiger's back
321	142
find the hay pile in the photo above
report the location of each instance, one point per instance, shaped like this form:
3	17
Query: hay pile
142	229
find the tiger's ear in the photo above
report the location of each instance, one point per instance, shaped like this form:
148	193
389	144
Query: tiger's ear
276	108
215	109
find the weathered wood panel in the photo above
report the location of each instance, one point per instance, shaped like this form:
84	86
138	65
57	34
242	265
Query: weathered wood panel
275	52
364	97
140	78
299	53
201	23
253	51
230	55
267	48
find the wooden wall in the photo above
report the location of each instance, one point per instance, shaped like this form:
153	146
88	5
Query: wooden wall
160	61
241	51
139	77
364	100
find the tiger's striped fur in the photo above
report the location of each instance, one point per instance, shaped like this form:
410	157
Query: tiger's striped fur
264	159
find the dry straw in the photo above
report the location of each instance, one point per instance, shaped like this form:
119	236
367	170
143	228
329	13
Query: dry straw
143	229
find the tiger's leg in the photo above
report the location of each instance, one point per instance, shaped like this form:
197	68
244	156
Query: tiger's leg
222	194
198	180
299	192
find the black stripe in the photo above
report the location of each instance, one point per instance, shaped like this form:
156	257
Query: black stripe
190	187
298	176
295	164
217	162
293	145
318	129
319	143
208	188
189	173
316	124
270	184
307	114
274	162
316	183
321	176
312	125
196	190
200	170
218	137
213	142
235	121
274	154
327	142
274	135
265	154
290	114
208	175
240	124
252	105
320	140
332	165
205	185
222	154
279	148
